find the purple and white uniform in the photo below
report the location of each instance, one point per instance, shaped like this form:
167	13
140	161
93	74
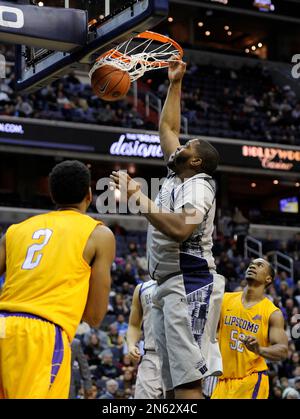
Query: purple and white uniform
187	299
149	381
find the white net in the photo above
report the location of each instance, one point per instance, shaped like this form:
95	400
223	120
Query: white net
147	51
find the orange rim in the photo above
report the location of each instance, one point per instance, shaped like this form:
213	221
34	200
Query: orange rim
146	35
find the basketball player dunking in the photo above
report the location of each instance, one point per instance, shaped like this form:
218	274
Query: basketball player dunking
187	298
57	272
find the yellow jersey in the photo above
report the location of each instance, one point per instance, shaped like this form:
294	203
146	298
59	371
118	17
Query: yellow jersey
236	322
46	273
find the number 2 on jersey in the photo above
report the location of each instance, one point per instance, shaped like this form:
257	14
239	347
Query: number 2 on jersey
34	255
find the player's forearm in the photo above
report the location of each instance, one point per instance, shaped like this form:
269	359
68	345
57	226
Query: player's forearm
170	224
96	308
171	114
277	352
133	336
169	126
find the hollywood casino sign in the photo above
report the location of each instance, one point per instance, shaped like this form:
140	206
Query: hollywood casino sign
267	155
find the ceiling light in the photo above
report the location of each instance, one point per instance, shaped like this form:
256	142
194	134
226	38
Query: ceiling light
207	33
253	185
253	47
247	50
226	28
260	45
170	19
275	182
229	33
200	24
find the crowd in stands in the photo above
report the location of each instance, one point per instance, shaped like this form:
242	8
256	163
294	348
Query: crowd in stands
242	103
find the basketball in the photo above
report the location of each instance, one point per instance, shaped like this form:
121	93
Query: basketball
109	83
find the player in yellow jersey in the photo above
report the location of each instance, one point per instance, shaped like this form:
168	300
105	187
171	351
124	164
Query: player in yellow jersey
251	329
57	272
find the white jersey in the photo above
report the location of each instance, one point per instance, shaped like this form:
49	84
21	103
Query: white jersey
167	257
145	295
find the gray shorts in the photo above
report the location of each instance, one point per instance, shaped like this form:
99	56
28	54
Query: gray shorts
149	383
179	320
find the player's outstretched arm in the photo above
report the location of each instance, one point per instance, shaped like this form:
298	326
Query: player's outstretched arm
2	255
100	279
278	349
170	120
134	327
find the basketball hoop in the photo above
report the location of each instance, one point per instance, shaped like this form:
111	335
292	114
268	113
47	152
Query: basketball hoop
147	51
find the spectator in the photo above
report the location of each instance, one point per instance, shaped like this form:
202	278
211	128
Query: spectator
93	349
121	325
108	368
276	392
115	339
128	379
119	305
112	387
240	229
80	371
290	393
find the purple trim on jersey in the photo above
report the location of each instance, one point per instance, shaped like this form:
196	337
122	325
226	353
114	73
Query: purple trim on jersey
145	289
23	315
58	354
193	282
191	263
195	272
257	385
140	292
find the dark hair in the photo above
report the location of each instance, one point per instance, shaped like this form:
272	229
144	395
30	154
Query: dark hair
272	272
209	155
69	182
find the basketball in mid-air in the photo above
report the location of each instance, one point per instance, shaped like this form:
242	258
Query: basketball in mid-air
109	83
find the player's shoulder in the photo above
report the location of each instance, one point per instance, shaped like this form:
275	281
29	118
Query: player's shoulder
207	181
229	296
270	306
233	294
170	173
203	181
27	222
147	285
101	232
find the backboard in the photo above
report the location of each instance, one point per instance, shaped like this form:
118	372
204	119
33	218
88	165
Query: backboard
110	23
